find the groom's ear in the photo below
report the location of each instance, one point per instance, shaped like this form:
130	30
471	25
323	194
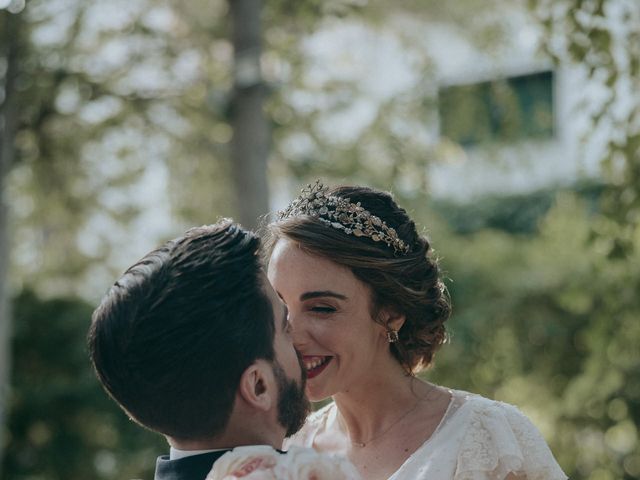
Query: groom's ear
257	385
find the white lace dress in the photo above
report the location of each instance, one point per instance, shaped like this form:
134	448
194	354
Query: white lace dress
477	439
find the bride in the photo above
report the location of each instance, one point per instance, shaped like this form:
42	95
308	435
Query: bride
367	310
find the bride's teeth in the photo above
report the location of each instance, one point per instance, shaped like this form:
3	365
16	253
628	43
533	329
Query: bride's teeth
310	365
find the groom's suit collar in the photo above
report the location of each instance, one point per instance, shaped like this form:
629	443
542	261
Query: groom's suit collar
194	467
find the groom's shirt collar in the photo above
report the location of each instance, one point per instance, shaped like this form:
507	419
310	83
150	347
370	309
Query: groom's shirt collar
175	453
191	467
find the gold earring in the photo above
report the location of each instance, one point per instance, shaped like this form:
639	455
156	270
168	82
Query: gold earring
392	335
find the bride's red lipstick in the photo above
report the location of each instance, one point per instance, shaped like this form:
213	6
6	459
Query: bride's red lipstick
315	365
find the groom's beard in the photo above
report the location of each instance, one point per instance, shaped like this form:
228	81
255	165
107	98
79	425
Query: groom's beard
293	406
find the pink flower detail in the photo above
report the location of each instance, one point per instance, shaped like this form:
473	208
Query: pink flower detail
258	463
265	463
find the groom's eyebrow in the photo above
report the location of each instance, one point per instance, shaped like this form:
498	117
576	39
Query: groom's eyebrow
321	293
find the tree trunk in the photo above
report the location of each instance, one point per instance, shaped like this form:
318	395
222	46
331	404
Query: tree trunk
250	144
8	125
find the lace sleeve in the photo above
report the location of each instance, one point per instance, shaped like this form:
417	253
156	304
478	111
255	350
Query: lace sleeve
501	440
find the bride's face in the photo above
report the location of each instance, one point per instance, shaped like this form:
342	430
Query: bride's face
330	316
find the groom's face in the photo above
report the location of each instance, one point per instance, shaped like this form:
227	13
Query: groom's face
293	405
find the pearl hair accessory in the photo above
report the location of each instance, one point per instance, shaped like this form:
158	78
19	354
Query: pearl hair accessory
341	214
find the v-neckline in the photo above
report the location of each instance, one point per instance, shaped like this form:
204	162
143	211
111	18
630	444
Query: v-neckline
454	405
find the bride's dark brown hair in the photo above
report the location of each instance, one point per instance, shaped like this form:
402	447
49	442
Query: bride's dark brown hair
408	284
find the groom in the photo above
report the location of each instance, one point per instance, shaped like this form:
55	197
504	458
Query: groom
192	342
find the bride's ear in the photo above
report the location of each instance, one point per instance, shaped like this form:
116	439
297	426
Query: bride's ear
257	385
392	320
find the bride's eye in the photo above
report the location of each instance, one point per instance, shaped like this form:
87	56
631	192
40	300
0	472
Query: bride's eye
322	309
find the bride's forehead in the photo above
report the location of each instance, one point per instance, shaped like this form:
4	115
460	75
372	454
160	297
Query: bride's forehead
288	259
294	272
288	254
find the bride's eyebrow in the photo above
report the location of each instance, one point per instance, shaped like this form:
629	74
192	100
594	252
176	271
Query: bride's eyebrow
321	293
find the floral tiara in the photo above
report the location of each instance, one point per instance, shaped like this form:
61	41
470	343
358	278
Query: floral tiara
341	214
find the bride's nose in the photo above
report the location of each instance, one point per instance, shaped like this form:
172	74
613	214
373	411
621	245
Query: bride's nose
299	335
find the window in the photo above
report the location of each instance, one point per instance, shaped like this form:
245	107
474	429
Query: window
504	110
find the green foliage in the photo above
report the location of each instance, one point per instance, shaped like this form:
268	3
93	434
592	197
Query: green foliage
62	425
549	323
69	108
518	214
602	37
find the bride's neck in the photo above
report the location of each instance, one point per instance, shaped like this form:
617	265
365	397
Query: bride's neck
380	398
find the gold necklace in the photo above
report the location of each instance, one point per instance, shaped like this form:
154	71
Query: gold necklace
368	442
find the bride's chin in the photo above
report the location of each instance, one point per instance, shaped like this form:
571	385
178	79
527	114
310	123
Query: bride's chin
315	396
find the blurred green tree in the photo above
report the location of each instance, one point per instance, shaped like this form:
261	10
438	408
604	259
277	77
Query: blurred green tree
603	38
549	322
62	424
10	40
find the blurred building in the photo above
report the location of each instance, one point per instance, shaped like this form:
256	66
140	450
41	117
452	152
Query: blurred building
505	120
509	121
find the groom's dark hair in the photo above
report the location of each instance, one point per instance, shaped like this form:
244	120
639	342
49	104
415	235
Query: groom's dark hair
172	337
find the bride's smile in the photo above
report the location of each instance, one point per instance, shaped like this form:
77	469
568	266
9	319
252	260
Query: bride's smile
314	365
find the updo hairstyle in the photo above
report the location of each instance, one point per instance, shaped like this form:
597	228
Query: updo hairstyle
408	283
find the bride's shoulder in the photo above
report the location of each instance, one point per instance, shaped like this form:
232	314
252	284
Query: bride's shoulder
498	434
477	405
